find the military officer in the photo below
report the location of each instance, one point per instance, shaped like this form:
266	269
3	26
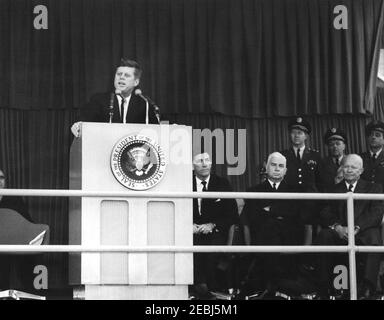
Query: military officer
303	169
336	140
374	157
302	162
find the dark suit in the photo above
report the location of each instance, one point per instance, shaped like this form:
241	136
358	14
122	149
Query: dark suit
367	215
373	169
282	225
97	110
15	203
223	213
16	270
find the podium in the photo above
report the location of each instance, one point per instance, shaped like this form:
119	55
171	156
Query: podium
135	158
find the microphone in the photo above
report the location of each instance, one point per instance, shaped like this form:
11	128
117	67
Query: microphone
148	100
111	100
157	113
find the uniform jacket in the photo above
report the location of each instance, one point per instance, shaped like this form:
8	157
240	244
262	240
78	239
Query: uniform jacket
373	170
306	173
328	171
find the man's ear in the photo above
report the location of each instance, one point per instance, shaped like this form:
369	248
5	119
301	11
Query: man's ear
137	81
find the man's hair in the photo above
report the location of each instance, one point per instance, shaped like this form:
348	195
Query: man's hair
199	154
352	155
275	154
132	64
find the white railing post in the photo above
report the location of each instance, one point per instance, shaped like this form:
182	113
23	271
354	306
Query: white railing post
351	247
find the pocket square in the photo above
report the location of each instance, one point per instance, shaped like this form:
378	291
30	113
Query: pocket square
217	200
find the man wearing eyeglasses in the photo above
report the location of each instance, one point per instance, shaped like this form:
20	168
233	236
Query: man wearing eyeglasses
367	220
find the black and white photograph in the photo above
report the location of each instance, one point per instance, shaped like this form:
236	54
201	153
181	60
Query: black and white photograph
192	155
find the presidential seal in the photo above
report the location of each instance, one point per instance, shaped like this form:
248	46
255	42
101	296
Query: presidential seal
138	162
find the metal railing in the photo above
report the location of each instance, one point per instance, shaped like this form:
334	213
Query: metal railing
351	248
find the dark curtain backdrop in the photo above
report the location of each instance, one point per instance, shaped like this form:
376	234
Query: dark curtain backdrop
250	58
208	63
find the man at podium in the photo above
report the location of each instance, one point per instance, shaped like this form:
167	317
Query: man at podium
125	104
212	219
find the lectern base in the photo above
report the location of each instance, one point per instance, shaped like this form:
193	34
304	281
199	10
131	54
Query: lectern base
132	292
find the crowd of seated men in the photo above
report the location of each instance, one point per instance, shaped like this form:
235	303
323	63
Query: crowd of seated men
281	222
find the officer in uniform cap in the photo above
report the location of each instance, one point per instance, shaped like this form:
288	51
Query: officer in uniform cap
302	163
336	140
374	157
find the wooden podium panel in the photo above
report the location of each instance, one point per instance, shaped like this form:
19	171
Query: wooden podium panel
131	221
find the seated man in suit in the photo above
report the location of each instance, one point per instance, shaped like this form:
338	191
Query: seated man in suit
128	107
368	215
23	264
274	222
211	221
12	202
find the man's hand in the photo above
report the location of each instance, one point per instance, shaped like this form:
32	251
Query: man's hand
207	228
196	228
76	129
342	232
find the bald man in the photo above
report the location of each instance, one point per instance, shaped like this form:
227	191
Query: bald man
274	222
368	215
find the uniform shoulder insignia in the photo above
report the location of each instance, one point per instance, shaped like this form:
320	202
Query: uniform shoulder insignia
314	150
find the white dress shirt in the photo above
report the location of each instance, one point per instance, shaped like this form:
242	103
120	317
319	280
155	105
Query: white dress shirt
353	185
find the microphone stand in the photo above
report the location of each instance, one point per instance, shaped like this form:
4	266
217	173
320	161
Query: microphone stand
146	111
111	107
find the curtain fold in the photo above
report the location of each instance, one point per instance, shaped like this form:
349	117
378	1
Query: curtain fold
250	58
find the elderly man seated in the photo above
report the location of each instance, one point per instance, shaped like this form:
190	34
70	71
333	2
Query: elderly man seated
368	215
274	222
20	266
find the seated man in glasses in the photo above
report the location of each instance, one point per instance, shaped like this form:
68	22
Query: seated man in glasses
368	215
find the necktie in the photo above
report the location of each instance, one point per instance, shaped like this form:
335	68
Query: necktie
298	154
204	183
350	189
337	162
122	109
274	186
374	157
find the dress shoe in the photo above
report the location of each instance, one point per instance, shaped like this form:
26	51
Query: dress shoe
365	291
339	294
201	292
